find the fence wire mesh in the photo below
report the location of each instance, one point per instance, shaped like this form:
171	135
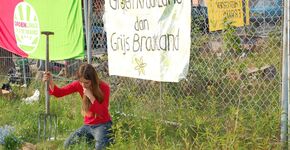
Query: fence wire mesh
233	85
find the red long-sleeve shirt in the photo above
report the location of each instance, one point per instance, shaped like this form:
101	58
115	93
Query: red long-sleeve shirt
98	113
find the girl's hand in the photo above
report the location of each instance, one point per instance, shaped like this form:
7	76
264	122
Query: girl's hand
48	77
89	94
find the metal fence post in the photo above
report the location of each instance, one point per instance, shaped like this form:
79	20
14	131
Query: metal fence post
284	101
87	6
287	57
24	72
88	29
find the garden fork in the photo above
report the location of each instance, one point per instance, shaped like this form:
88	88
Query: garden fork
47	122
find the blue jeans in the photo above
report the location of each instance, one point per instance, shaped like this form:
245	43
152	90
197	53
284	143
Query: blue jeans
101	134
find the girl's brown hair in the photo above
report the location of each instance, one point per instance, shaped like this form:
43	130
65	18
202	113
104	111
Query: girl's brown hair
88	72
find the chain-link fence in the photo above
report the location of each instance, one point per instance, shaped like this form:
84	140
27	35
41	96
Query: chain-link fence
231	93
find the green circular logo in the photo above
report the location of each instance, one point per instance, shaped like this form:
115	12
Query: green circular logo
26	27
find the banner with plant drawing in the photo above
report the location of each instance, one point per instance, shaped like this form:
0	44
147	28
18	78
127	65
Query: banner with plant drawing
148	39
236	11
22	21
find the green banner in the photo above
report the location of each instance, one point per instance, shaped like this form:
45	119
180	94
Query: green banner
63	17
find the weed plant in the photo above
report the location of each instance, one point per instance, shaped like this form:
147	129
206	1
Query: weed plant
208	110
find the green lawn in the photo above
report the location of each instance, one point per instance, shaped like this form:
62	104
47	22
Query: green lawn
197	122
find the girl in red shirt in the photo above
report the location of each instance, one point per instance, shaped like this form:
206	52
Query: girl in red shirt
95	105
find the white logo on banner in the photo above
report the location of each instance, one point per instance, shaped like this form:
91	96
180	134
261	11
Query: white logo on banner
148	39
26	27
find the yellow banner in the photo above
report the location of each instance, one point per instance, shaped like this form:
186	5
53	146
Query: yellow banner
230	10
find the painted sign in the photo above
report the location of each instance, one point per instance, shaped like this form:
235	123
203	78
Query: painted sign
148	39
235	11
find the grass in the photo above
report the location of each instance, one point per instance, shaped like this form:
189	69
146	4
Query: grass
199	123
206	111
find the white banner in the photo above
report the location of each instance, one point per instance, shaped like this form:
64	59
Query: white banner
148	39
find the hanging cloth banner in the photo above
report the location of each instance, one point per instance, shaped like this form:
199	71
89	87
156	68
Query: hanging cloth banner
148	39
21	24
236	11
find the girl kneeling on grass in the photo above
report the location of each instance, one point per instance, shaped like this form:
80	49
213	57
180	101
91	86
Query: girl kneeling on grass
95	105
